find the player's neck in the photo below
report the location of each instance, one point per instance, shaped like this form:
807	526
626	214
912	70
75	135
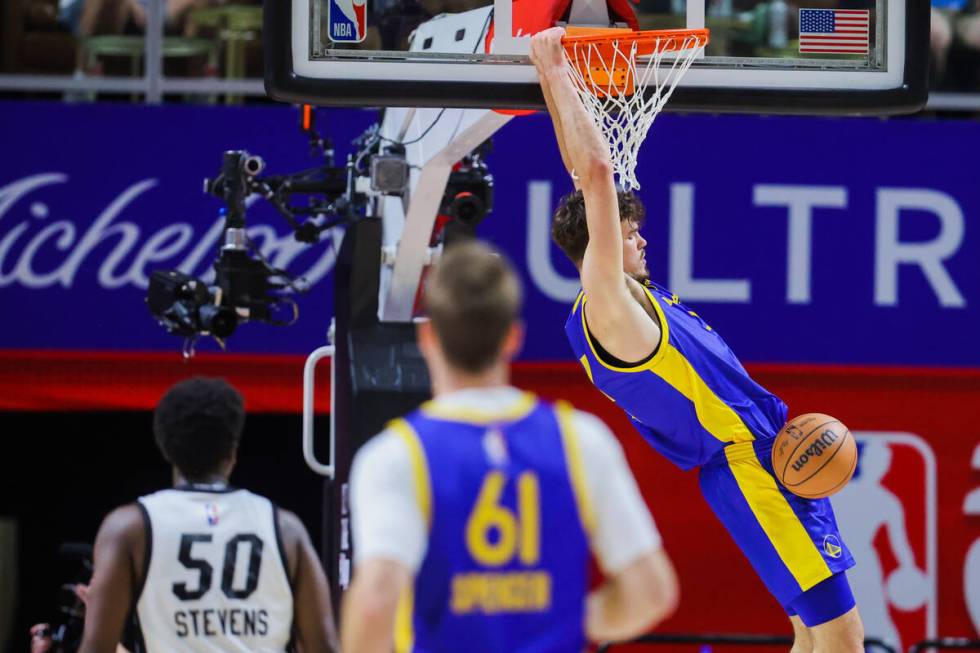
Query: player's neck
453	380
211	480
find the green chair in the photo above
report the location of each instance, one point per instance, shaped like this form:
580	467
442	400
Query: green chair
93	48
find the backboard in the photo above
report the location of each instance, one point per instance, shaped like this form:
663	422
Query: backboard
769	56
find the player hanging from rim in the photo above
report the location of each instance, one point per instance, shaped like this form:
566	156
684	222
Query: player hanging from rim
473	517
683	388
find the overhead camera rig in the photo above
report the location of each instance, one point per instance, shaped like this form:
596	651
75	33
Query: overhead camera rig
377	180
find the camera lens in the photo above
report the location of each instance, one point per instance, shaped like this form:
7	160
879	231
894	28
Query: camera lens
468	209
220	321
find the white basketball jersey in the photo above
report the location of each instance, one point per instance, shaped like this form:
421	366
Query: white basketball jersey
216	577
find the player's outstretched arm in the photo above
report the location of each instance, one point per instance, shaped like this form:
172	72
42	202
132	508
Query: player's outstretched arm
110	595
313	622
614	317
552	106
370	606
588	155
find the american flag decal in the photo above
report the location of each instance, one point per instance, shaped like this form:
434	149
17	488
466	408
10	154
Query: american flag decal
834	31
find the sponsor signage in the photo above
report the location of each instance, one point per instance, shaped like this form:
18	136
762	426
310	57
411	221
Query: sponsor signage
866	258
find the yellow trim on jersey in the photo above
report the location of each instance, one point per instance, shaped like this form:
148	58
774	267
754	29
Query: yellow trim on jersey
420	468
715	415
669	363
664	338
576	470
588	372
578	300
778	521
518	410
404	626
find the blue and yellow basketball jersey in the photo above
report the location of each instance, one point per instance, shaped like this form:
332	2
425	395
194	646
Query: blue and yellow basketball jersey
507	559
692	397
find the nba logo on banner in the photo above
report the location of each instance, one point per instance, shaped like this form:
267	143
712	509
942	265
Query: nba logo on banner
887	517
347	20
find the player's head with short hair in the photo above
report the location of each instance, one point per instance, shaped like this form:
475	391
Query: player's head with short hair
198	424
570	231
473	298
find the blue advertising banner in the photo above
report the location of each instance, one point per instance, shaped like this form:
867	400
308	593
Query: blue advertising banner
799	239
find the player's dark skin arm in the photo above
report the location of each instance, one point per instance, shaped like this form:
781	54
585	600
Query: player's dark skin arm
118	563
313	624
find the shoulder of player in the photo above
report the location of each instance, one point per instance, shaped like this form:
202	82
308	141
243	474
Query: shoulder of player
292	533
380	453
125	525
597	444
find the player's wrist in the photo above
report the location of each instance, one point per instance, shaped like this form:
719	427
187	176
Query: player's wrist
556	72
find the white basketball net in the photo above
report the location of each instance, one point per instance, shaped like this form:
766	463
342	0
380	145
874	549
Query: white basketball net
625	119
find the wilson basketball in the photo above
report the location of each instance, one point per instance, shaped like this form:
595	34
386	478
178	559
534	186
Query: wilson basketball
814	455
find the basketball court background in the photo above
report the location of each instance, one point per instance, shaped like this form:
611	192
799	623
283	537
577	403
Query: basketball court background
861	332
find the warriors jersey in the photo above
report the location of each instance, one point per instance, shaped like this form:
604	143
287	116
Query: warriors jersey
692	397
507	557
215	576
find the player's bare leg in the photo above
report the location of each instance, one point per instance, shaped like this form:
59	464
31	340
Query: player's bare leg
845	634
802	642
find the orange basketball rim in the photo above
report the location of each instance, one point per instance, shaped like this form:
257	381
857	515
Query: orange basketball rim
606	57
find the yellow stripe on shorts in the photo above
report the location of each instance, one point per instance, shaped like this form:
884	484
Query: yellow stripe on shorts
780	524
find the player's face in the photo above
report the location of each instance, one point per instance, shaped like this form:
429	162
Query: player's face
634	254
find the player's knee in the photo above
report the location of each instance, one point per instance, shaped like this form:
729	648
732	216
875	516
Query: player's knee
845	634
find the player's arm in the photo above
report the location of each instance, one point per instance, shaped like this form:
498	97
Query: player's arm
559	130
390	539
614	317
120	541
313	622
588	155
370	606
640	588
633	600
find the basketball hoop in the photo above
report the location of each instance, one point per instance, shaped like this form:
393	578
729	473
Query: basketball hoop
612	70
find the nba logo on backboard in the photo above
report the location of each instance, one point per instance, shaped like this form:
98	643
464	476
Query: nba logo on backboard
347	20
887	518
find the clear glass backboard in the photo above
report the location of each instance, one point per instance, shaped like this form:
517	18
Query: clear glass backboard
769	56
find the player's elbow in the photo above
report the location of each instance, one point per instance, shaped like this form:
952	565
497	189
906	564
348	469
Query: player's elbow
658	590
664	599
598	169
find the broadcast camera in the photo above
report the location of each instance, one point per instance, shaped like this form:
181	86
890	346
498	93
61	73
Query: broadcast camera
245	286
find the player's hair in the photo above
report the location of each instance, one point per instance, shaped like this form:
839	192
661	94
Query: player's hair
570	231
472	298
198	424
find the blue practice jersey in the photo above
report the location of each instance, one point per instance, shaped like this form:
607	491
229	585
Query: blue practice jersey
692	397
507	558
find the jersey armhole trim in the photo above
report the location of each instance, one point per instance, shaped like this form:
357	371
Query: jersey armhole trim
654	357
420	468
576	468
147	553
281	546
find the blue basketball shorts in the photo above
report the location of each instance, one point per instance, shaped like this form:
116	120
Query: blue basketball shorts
793	543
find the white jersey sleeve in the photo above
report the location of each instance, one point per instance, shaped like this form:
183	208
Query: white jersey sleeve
624	528
215	574
386	520
387	523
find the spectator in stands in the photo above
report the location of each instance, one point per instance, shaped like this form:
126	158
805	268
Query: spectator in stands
954	44
93	17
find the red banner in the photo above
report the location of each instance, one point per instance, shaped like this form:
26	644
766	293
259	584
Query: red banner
911	516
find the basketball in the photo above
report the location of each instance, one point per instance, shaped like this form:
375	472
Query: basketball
814	455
